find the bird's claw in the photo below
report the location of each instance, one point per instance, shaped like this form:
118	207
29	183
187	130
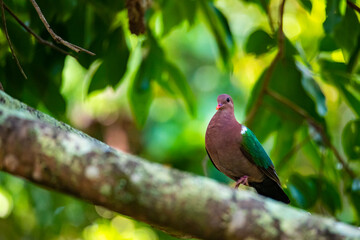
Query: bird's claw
242	180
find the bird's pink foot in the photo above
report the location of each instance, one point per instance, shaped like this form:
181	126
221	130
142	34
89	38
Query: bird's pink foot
242	180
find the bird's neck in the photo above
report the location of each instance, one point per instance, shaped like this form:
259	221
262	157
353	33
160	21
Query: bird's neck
226	115
223	118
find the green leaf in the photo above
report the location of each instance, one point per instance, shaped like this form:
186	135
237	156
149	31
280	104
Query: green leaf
175	12
54	101
307	5
140	90
286	81
354	58
114	62
99	80
262	131
355	196
313	89
191	7
16	85
333	15
172	15
328	44
290	50
283	144
219	27
140	93
336	74
225	25
329	195
351	139
21	41
179	80
346	33
259	42
263	4
303	191
351	98
311	150
94	38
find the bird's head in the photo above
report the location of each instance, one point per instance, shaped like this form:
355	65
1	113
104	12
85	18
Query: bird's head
224	102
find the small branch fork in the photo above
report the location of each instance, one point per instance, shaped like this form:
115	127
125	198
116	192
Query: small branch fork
265	90
37	37
57	38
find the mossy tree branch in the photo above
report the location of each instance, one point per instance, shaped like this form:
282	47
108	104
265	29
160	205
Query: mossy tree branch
44	151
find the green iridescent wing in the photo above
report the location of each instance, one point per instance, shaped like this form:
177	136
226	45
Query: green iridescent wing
253	150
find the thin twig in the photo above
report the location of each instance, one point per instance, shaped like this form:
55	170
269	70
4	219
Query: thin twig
290	104
1	87
315	124
267	77
56	37
37	37
8	39
353	6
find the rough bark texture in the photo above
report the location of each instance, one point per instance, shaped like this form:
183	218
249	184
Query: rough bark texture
136	13
42	150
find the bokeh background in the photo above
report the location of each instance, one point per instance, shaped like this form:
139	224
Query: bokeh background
153	94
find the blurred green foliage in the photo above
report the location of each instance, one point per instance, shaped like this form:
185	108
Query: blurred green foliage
154	94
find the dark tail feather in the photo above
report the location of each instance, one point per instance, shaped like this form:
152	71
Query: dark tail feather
271	189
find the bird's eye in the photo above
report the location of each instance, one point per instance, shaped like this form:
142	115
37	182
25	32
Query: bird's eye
228	99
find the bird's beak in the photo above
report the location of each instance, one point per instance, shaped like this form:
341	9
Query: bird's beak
218	106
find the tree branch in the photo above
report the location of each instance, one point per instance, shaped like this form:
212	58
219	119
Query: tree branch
353	5
2	5
37	37
56	37
250	117
136	14
61	158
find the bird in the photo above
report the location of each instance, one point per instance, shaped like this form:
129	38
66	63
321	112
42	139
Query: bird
236	152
